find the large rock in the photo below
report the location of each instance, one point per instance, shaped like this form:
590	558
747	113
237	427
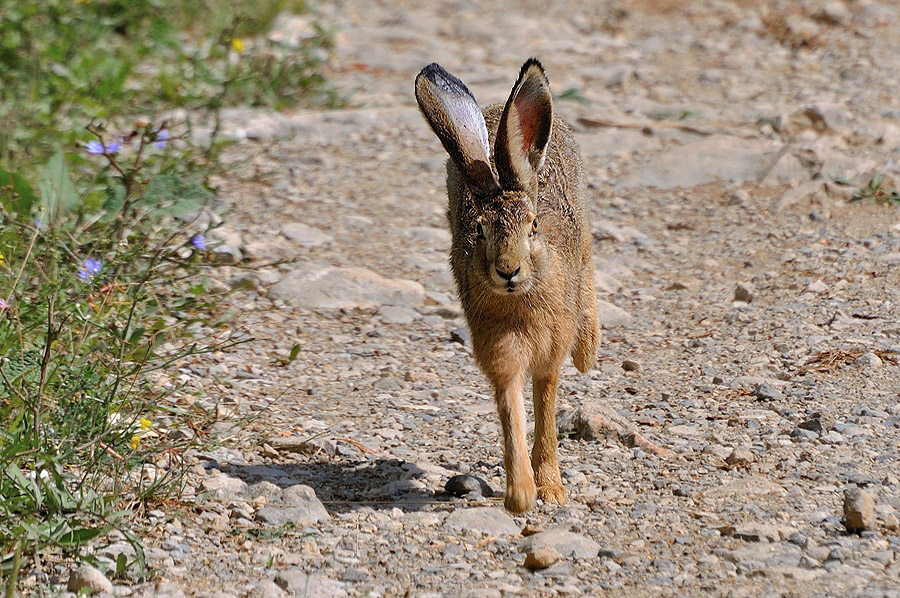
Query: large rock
88	579
859	510
327	287
303	507
567	544
487	520
718	158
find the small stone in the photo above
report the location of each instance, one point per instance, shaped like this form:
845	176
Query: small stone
631	366
461	336
460	485
611	316
300	583
767	392
266	589
487	520
835	13
868	360
818	287
305	509
567	544
303	234
801	434
740	457
859	510
743	292
90	579
541	558
530	530
818	422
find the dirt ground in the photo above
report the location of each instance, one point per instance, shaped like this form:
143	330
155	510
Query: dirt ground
753	305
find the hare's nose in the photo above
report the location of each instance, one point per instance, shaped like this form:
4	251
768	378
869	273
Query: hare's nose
508	275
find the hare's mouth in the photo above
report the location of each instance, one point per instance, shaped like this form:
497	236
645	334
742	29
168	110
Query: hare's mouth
513	288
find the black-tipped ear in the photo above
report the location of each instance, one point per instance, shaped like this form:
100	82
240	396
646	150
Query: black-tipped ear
454	116
525	126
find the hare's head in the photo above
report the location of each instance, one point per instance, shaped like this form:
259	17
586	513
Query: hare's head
505	235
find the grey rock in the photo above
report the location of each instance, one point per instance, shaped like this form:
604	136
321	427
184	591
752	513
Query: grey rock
398	488
859	510
767	392
801	434
463	484
740	457
88	579
301	583
223	486
305	235
487	520
717	158
818	422
397	314
868	360
611	316
321	286
266	589
567	544
305	507
461	336
743	292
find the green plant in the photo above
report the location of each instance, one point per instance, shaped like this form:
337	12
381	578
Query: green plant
875	190
102	251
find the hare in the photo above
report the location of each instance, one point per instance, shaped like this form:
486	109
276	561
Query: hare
520	255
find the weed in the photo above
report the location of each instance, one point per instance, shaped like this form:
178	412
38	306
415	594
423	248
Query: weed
102	252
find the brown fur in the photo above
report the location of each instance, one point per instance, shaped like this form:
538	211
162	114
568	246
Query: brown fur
551	312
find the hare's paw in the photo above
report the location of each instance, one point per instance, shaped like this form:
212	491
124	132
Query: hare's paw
520	497
554	494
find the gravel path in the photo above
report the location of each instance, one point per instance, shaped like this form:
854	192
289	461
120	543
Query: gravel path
750	317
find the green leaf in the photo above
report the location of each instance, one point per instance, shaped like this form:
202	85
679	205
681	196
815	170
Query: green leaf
16	194
121	564
295	350
57	192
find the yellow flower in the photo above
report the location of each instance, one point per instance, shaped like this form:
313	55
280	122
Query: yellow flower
238	44
145	423
2	259
135	441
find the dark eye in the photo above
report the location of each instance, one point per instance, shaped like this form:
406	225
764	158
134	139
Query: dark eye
479	230
534	226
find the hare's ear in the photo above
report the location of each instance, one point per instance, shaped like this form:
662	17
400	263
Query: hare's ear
524	131
454	116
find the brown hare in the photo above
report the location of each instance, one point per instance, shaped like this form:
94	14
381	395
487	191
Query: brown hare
521	257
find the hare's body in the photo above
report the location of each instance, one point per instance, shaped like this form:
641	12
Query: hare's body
546	320
521	257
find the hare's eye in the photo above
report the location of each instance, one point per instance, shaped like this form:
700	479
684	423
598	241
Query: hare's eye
479	230
534	226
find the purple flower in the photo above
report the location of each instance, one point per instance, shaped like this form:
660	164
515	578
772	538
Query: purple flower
199	242
4	304
161	139
90	268
97	147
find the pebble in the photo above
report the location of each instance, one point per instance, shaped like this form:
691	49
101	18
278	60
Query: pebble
541	558
740	457
567	544
460	485
767	392
487	520
859	510
90	580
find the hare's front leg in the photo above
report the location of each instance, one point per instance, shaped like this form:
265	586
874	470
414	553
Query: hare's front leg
520	489
543	457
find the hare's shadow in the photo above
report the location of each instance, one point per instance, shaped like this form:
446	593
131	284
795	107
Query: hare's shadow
344	486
